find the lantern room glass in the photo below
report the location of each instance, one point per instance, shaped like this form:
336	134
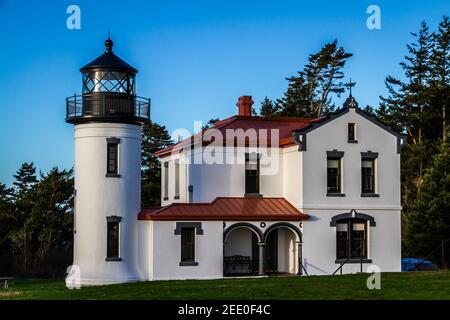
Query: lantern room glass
108	81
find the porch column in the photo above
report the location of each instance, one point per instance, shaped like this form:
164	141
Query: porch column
261	258
300	258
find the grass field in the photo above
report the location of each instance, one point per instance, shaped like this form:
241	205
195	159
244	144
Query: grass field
412	285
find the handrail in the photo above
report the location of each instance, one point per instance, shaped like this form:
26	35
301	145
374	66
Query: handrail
107	105
347	260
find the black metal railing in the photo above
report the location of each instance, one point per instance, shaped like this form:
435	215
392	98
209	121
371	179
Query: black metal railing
107	105
240	266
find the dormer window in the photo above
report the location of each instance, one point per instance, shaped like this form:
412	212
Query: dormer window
352	133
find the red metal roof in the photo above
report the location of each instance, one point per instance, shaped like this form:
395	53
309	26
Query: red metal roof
228	209
285	126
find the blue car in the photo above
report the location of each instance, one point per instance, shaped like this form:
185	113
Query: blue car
415	264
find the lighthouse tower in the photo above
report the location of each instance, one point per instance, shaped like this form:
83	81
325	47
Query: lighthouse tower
107	118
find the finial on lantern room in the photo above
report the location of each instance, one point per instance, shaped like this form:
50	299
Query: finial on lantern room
109	43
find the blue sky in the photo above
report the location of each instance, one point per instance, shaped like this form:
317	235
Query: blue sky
194	58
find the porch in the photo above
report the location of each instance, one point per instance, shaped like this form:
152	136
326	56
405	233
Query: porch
250	251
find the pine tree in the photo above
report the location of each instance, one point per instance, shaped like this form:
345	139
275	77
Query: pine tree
154	137
418	106
51	217
440	64
6	212
21	232
310	93
408	102
268	107
430	214
210	123
25	179
296	100
6	215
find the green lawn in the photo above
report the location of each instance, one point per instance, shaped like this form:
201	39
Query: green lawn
412	285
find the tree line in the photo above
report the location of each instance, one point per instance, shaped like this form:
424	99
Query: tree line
36	212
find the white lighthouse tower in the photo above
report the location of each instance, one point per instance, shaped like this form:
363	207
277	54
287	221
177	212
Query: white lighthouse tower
108	117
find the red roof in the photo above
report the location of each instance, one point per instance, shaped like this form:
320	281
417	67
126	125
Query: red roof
228	209
285	126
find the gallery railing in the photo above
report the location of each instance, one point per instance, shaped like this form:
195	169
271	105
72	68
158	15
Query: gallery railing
107	105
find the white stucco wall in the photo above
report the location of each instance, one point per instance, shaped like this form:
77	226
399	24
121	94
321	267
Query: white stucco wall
333	135
292	182
98	196
319	242
183	179
287	251
223	178
167	252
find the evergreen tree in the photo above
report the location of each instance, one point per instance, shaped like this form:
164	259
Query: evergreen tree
25	179
51	217
440	64
418	106
296	99
154	137
310	93
210	123
6	215
21	232
268	107
430	214
6	211
408	101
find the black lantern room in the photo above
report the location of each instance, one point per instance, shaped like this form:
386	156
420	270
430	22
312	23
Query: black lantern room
109	93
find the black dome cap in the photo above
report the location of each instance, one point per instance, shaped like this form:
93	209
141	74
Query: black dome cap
109	61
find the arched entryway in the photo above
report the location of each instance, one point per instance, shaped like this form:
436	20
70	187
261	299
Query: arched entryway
283	246
249	251
241	249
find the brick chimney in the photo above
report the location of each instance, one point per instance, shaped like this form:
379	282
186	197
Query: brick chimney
245	105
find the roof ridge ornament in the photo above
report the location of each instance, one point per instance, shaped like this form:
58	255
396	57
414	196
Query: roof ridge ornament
351	101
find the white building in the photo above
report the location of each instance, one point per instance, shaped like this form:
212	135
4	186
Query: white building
250	196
